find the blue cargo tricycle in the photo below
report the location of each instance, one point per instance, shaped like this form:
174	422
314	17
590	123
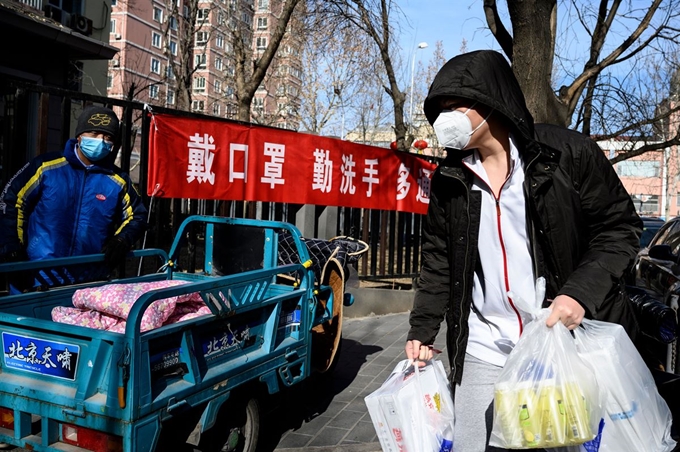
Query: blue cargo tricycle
276	317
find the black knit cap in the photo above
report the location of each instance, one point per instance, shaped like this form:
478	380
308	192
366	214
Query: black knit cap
98	119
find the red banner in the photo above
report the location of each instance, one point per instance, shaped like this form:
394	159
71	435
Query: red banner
210	159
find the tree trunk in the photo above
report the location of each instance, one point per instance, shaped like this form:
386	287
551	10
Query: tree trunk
532	60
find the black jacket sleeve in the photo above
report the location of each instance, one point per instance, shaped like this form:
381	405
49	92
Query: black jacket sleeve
432	296
613	231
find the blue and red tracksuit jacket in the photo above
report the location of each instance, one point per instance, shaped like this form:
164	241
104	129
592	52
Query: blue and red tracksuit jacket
56	207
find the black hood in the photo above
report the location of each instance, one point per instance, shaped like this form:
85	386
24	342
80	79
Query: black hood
486	77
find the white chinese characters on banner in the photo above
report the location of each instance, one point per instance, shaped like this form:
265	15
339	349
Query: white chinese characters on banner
424	184
323	171
403	185
241	173
201	156
348	173
371	172
273	169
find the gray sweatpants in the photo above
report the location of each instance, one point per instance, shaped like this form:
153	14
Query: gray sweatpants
473	407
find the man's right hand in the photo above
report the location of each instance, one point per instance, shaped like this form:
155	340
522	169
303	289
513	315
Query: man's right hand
415	350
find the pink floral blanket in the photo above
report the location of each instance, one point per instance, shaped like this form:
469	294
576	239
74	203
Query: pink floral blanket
107	307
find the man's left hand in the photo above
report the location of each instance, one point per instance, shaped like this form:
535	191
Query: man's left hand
566	310
115	250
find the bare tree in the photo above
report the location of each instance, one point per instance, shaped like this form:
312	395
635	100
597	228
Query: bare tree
181	52
251	68
619	33
425	76
335	62
371	109
379	19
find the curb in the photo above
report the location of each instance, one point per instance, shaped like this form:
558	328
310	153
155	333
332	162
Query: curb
369	302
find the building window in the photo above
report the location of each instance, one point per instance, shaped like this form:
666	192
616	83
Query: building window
172	20
170	97
262	4
258	105
157	14
219	41
218	86
197	105
153	91
201	38
247	20
156	40
216	109
199	61
113	25
229	92
261	43
202	15
169	73
109	80
199	84
220	18
155	66
638	168
114	2
218	63
261	23
173	47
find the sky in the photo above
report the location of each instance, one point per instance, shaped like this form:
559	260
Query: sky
449	21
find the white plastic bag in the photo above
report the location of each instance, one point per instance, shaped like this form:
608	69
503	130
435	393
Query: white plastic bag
546	396
637	418
413	410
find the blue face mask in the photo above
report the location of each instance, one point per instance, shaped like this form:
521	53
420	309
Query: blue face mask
95	149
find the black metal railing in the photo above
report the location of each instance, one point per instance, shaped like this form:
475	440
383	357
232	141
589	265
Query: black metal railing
393	237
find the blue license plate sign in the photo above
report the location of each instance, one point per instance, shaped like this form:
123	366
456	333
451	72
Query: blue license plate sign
40	356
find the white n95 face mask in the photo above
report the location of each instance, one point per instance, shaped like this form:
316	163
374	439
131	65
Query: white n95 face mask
454	128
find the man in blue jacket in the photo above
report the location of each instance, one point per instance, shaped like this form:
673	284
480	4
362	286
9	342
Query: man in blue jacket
73	202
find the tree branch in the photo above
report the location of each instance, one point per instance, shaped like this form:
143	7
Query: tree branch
496	26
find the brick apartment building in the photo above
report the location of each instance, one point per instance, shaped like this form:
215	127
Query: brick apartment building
148	33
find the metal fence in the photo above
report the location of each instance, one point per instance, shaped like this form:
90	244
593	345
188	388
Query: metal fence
393	237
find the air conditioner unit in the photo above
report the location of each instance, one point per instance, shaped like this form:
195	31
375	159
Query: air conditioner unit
117	36
81	24
115	63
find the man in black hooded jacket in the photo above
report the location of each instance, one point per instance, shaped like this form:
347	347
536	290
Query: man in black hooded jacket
512	202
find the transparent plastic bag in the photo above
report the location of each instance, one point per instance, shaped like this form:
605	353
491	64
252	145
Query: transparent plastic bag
546	397
413	410
637	418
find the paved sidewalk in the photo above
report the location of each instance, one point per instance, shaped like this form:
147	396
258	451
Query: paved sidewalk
328	414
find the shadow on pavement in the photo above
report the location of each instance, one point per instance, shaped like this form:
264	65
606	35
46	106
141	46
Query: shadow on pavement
292	407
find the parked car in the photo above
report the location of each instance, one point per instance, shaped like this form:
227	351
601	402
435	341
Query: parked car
649	230
657	272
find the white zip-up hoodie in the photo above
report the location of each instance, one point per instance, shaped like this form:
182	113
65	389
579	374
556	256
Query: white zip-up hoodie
504	263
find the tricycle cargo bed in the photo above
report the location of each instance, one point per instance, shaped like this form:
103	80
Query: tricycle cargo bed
62	385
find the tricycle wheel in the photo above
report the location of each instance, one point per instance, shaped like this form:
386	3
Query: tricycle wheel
237	428
326	337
